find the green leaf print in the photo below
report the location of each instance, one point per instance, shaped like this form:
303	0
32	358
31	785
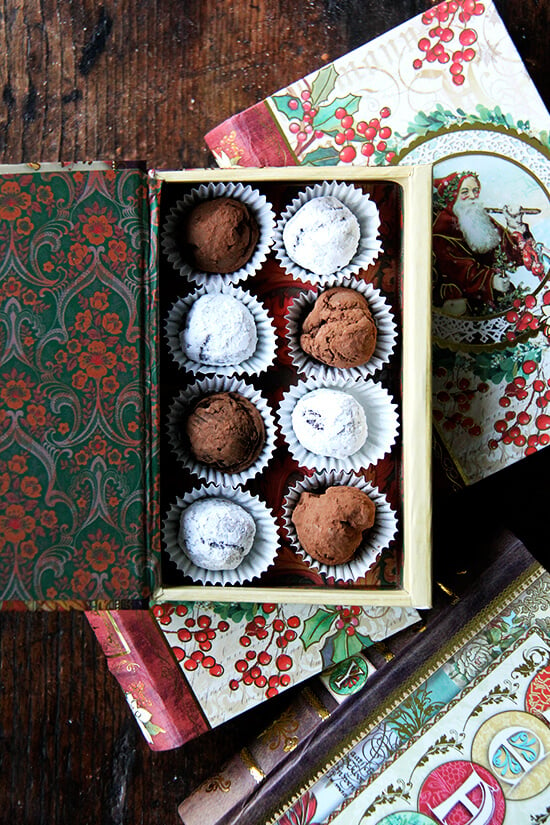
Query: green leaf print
317	626
346	645
323	85
326	121
324	156
282	103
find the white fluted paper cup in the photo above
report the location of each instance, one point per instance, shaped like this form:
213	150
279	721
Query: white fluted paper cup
376	539
264	545
172	229
182	407
386	334
379	413
369	244
260	337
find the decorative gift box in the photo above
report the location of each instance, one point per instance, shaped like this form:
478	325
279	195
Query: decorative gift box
89	471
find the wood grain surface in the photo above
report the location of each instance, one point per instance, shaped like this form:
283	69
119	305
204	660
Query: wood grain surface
146	80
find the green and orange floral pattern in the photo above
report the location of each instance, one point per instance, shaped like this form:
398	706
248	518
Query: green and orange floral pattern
75	387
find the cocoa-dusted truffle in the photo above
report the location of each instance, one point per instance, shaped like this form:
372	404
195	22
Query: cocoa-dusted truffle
226	432
340	330
220	235
330	525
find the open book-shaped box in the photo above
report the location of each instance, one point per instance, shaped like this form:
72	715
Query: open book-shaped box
94	468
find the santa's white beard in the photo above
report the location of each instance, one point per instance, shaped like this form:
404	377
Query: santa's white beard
479	231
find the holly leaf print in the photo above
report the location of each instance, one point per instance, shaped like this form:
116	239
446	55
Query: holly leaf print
326	121
316	627
324	156
282	104
346	645
323	85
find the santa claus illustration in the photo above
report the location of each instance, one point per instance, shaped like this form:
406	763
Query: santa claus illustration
473	254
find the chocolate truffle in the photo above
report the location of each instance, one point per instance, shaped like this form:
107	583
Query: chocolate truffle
330	525
322	236
329	422
220	235
219	330
340	330
216	534
226	432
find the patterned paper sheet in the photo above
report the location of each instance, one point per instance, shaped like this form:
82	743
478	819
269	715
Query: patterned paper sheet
235	656
468	743
446	88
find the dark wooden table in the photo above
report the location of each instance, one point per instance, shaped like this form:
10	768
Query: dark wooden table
146	80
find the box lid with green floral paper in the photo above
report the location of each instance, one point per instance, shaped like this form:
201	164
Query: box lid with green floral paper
77	445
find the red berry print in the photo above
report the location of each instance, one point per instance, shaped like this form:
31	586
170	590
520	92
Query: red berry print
348	154
283	662
452	26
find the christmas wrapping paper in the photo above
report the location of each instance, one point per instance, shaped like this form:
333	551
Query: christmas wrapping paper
446	88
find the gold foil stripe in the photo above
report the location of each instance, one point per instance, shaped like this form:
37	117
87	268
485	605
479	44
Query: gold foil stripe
384	650
316	704
252	767
447	590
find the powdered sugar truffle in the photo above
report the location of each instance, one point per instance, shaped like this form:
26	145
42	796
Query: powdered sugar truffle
322	236
219	331
216	534
330	423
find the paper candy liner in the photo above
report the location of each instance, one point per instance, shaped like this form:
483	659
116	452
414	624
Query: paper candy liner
261	358
377	539
183	404
380	413
257	561
366	212
258	205
386	334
